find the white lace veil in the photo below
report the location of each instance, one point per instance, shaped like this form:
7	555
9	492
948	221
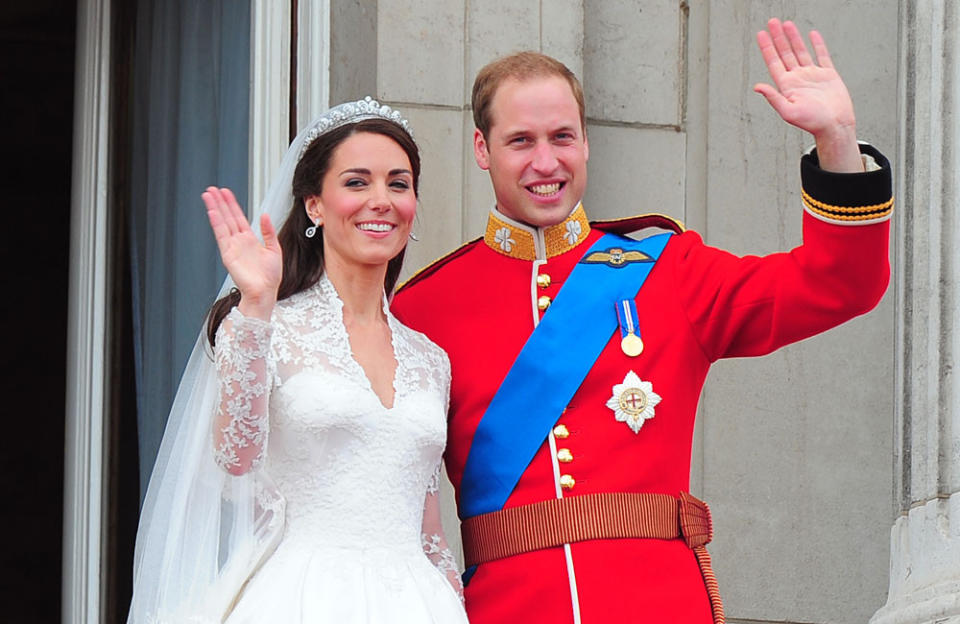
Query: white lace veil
204	532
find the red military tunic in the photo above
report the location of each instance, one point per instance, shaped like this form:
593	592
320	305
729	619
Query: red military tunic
699	304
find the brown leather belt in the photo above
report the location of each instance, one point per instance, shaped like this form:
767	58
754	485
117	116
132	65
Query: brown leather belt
558	521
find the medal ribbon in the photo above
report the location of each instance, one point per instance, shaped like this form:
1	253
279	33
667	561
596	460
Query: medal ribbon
627	318
549	369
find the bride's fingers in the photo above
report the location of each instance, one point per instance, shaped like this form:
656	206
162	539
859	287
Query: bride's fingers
220	228
269	234
236	212
210	200
229	214
215	202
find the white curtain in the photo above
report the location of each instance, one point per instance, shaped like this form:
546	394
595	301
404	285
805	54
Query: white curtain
190	130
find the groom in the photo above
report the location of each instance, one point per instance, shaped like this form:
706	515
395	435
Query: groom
578	354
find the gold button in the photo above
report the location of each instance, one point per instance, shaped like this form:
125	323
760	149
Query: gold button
561	431
567	482
543	280
564	456
543	302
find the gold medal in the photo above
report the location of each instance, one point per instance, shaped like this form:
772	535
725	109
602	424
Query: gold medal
631	345
630	342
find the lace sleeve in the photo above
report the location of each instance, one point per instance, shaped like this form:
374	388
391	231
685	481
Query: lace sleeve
434	541
243	374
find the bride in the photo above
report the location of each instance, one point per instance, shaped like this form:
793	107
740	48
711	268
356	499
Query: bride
298	476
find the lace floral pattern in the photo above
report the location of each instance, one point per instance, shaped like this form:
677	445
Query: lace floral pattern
433	486
242	370
434	546
356	476
432	538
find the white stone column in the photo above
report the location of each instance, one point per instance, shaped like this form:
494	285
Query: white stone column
925	539
88	352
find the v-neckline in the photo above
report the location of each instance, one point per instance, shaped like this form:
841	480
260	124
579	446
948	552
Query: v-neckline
360	370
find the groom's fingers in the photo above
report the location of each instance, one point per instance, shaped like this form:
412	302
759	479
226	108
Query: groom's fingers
796	44
782	44
770	56
820	48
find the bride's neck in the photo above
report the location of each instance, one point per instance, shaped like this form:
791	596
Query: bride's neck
361	292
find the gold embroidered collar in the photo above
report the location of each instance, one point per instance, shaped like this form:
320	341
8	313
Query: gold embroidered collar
520	241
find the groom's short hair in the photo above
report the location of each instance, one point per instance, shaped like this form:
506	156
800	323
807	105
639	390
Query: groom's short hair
520	66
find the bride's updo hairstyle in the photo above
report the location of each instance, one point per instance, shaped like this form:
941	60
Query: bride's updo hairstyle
303	256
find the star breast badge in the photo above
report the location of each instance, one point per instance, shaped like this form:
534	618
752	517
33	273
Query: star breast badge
633	401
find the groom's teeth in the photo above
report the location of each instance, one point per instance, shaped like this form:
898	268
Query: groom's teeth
545	189
376	227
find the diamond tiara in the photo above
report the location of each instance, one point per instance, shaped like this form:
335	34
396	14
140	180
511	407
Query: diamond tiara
352	112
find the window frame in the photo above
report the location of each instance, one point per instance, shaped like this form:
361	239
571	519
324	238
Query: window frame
92	261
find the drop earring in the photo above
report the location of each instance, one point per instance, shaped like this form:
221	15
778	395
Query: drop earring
311	231
416	218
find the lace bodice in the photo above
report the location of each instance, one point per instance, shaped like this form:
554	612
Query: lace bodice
295	403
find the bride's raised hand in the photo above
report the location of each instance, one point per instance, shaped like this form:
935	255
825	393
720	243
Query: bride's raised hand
255	267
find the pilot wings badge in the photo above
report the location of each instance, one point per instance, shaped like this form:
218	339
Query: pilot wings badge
616	257
633	401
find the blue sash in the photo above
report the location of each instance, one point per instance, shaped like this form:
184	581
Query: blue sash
551	366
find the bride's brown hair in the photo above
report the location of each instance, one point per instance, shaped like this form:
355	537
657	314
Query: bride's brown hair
302	256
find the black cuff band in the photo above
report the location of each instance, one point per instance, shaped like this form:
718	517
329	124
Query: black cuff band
848	197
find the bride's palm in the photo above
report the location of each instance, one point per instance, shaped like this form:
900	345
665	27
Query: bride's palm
255	267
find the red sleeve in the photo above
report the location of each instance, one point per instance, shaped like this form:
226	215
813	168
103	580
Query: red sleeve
752	306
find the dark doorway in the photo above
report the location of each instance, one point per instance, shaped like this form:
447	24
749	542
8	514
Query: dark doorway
37	42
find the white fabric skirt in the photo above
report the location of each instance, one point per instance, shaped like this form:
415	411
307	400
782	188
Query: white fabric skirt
298	585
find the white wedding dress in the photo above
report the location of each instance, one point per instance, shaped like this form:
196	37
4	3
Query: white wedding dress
361	540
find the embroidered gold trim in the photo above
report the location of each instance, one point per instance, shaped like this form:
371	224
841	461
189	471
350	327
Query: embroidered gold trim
829	209
518	242
854	218
509	240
